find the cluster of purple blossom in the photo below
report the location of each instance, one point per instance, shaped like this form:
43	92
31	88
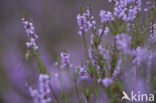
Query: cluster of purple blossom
103	32
82	73
152	37
121	7
86	22
30	30
104	52
106	81
123	42
118	68
42	94
141	54
65	60
121	10
106	16
148	6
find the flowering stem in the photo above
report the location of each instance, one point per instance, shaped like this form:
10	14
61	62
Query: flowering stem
76	88
85	45
149	14
137	29
99	40
52	90
114	58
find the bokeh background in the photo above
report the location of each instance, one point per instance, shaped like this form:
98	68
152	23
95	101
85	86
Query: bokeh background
55	23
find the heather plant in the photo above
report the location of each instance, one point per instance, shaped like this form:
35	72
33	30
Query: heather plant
118	49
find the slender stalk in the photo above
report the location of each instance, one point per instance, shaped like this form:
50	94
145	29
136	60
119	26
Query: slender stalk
113	62
77	91
85	45
52	90
87	99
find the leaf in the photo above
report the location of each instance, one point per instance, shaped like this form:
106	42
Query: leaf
27	54
49	75
25	13
83	88
154	11
90	90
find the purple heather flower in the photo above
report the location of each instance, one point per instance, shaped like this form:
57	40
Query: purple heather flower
65	60
85	21
123	42
106	30
145	9
104	52
82	22
30	30
148	3
103	32
82	73
149	62
121	9
106	16
117	69
41	95
44	83
99	32
91	24
99	80
90	20
107	82
56	76
152	37
132	14
92	39
91	56
141	54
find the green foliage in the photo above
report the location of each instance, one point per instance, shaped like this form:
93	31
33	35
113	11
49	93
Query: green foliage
41	66
64	98
154	12
27	54
115	92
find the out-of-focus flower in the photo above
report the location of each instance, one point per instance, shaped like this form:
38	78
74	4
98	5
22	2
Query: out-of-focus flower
65	60
132	13
42	94
123	42
117	69
91	56
106	30
104	52
99	80
152	37
107	82
106	16
103	32
141	54
82	73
